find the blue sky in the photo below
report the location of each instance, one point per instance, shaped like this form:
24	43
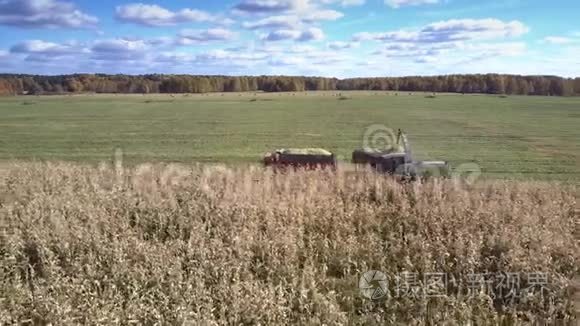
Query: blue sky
335	38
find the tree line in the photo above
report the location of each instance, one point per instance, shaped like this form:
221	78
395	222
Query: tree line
12	84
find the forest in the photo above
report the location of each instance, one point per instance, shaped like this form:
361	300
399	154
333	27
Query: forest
11	84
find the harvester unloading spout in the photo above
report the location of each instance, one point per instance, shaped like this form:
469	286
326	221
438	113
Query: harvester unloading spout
404	142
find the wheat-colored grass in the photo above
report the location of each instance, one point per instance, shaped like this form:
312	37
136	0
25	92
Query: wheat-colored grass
168	244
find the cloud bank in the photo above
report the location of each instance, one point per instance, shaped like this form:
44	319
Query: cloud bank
154	15
44	14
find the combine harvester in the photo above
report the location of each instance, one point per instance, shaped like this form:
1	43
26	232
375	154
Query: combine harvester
398	161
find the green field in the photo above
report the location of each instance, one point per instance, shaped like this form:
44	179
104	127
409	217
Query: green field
508	137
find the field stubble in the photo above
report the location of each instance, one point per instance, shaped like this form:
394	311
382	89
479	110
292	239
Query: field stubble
176	244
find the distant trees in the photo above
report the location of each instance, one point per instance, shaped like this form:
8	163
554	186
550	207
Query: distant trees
490	84
99	83
577	86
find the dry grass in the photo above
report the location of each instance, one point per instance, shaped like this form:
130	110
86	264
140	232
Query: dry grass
195	245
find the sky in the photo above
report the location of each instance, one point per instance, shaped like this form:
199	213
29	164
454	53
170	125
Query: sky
331	38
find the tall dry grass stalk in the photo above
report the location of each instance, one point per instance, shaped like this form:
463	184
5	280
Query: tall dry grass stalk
159	244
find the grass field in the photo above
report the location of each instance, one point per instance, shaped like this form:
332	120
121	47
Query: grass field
508	137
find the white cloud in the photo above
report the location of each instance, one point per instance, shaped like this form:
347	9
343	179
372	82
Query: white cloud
559	40
273	22
131	50
213	62
474	28
271	6
120	50
339	45
450	43
154	15
491	50
281	13
189	36
309	34
451	31
307	55
44	14
47	48
318	15
230	55
282	35
271	49
160	41
174	57
308	61
344	3
119	45
286	61
403	3
292	21
451	55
